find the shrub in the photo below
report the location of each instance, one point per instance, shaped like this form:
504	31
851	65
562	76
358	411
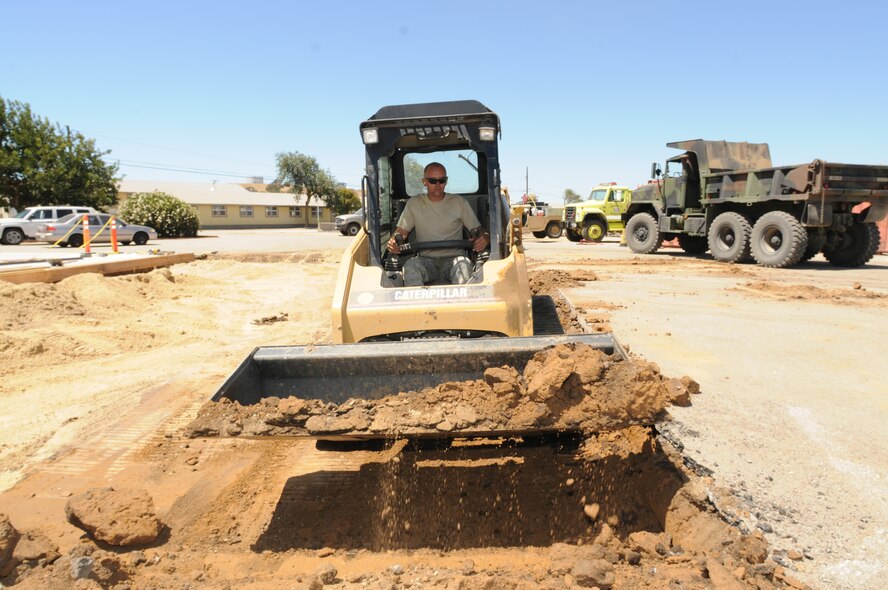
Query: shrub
171	217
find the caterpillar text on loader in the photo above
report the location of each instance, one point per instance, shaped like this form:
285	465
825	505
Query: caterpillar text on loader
390	338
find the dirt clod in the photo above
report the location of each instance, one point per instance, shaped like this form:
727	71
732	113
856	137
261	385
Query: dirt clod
118	517
594	573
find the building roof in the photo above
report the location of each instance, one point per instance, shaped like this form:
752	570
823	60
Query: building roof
207	193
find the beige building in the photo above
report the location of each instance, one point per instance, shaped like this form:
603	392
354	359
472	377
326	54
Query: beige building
232	206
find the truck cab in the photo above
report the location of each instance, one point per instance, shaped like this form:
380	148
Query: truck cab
601	213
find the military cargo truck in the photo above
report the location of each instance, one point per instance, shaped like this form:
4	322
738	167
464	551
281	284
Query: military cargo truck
539	218
726	197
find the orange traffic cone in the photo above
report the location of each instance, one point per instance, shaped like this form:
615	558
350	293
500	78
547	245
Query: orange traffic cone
113	235
86	237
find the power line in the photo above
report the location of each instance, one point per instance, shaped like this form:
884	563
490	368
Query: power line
171	149
155	166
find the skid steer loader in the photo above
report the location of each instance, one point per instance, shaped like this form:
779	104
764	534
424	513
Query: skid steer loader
390	338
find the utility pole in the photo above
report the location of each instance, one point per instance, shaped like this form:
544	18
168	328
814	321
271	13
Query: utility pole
526	182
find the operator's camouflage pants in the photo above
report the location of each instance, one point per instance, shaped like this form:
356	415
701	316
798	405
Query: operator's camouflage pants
423	270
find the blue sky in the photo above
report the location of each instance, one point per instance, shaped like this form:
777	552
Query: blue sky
588	92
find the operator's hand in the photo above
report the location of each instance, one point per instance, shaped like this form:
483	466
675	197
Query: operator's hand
481	242
392	246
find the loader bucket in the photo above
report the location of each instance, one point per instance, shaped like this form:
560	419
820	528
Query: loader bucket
337	373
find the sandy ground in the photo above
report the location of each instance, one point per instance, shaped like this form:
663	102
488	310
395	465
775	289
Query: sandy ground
101	375
793	415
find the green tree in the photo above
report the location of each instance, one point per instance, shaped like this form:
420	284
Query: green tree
306	177
43	164
171	217
344	200
413	173
571	196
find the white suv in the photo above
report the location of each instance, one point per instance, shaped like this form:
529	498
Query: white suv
350	223
24	225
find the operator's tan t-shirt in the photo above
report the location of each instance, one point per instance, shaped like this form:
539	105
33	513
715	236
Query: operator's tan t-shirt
436	221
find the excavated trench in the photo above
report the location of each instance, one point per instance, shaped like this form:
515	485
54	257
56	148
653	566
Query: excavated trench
472	493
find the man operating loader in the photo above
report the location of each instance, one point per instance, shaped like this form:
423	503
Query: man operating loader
438	216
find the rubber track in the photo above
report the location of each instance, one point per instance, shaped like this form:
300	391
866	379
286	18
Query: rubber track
545	316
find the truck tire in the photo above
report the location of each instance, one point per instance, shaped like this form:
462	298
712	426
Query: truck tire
573	236
729	237
13	236
693	244
539	234
553	230
353	229
856	246
643	234
594	231
778	240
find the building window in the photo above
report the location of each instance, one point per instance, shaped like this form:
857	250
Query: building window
295	212
246	210
220	211
271	211
315	211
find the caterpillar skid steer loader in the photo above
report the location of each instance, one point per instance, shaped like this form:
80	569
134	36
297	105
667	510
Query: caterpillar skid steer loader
391	338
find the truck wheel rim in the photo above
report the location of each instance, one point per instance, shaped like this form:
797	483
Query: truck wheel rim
726	238
772	240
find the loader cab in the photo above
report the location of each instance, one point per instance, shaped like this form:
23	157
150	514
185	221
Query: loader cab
401	140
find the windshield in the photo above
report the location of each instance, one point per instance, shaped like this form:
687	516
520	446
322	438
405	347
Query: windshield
598	195
461	166
22	213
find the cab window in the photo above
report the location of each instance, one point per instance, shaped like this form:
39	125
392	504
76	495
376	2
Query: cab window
461	165
599	195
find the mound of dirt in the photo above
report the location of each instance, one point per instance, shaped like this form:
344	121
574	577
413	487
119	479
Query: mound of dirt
566	387
548	280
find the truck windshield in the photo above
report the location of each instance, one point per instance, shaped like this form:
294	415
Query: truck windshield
599	195
22	213
461	165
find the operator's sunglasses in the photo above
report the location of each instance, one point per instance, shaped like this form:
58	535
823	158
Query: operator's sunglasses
442	180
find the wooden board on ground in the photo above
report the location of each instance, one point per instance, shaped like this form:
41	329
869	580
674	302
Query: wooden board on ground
105	267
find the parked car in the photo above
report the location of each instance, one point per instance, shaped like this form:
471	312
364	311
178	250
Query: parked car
23	226
126	232
349	224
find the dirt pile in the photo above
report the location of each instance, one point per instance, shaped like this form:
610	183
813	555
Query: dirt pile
566	387
548	280
461	517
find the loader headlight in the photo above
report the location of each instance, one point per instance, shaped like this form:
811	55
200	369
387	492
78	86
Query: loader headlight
370	135
487	133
